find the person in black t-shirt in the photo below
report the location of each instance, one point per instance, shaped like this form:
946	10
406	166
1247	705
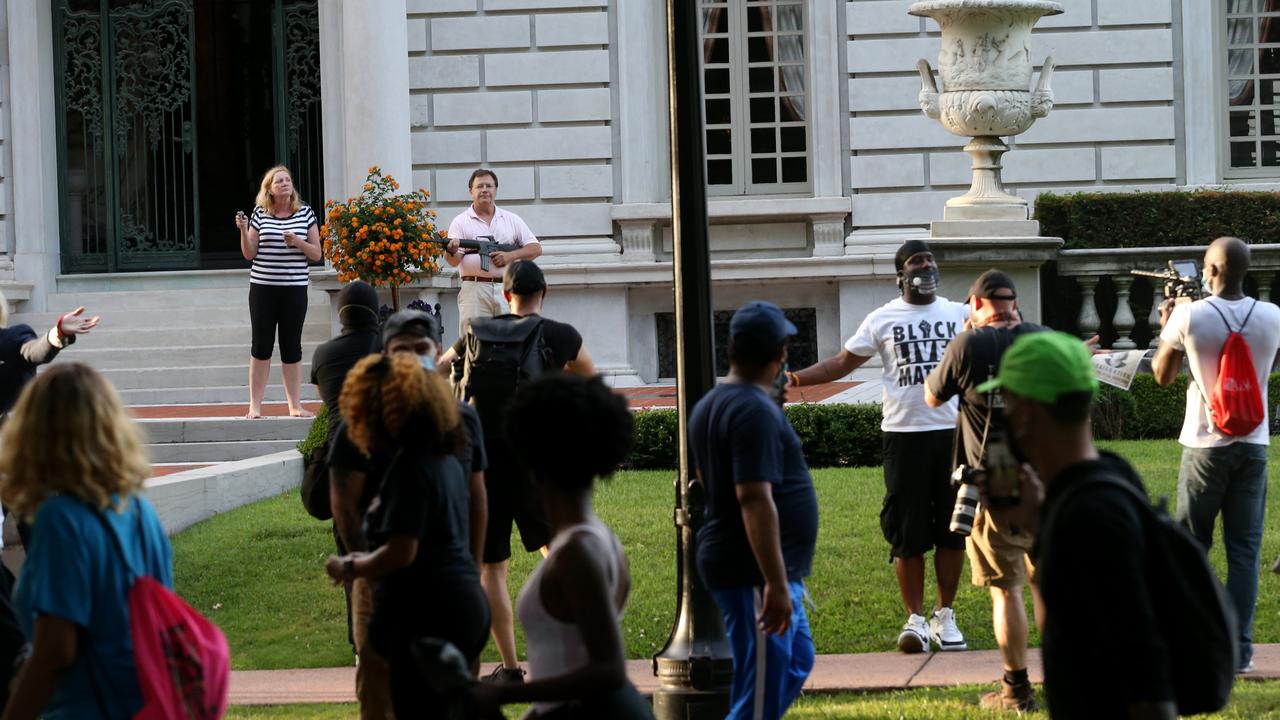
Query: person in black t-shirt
417	524
998	556
756	544
354	480
1103	648
511	498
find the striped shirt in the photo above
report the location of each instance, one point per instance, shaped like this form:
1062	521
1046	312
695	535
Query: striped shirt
506	227
277	263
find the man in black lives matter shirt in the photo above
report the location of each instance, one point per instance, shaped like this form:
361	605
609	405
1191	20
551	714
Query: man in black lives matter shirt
910	334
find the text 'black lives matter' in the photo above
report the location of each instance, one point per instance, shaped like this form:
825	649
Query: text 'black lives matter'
919	348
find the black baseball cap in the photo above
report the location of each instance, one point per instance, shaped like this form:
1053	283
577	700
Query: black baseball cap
411	322
523	277
991	281
762	320
909	248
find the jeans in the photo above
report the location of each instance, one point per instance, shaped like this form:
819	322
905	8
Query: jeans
765	680
1231	480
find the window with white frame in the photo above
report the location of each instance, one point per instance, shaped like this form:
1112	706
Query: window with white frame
755	97
1252	47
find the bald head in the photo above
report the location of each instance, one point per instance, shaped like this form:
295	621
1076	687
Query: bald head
1227	263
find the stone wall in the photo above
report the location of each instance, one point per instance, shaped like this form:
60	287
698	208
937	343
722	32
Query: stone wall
6	183
523	87
1113	125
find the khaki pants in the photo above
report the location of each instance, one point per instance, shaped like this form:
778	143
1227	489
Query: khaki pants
373	687
479	299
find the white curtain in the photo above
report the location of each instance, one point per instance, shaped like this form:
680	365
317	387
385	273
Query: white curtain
790	49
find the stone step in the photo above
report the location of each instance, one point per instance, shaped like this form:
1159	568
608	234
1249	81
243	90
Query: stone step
192	377
116	300
160	316
208	395
192	356
214	452
217	430
185	280
186	334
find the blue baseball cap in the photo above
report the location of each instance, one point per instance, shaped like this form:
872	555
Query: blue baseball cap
763	320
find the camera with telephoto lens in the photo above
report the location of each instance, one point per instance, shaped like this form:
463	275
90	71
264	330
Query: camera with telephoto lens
1000	472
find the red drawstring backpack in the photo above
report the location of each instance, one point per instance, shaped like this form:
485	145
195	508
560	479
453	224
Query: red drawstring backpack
1235	405
182	659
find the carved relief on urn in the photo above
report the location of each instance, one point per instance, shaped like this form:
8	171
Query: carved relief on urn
984	89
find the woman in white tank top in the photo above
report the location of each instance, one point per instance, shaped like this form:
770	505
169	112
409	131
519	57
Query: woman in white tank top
567	431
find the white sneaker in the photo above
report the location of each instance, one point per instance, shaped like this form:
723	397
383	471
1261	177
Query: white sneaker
914	637
943	631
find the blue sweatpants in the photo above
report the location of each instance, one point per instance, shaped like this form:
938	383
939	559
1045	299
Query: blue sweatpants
768	670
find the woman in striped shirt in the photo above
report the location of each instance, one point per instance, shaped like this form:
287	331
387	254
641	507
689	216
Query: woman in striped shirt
279	238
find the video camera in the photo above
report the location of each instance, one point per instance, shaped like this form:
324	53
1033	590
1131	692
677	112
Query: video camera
1181	280
482	245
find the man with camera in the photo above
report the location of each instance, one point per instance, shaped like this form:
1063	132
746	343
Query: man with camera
1104	651
480	293
910	334
1224	466
998	555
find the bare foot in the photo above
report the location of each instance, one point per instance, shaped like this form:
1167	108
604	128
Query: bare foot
253	414
301	413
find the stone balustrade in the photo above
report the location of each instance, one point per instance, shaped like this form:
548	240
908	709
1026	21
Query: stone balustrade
1089	268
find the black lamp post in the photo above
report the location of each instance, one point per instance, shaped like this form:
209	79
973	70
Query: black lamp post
695	668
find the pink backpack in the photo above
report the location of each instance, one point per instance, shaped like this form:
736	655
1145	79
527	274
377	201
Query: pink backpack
182	659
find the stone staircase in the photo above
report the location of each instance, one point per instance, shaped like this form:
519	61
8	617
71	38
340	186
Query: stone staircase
176	347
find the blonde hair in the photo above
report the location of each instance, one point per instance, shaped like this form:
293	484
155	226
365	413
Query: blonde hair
382	394
70	434
264	190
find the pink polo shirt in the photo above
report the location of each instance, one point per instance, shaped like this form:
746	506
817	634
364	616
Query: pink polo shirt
506	227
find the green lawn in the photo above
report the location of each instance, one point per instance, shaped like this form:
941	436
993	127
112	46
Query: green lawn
1250	701
256	571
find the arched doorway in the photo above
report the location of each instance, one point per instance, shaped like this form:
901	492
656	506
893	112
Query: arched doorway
168	113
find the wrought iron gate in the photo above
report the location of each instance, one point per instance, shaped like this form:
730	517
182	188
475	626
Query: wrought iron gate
128	170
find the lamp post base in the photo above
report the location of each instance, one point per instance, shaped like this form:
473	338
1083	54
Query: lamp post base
690	704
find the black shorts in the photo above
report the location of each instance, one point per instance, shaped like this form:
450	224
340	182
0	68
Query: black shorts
918	496
512	499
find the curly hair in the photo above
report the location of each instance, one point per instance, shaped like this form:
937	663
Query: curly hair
264	190
70	434
388	399
569	430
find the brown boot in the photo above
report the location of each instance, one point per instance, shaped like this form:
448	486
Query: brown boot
1020	698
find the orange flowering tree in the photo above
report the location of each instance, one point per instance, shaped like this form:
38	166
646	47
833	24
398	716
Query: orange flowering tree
380	237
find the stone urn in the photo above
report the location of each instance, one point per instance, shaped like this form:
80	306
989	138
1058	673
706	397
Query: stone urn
984	90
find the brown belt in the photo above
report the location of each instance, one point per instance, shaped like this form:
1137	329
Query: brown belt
474	278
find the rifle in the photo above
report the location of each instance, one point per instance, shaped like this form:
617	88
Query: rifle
1181	280
482	245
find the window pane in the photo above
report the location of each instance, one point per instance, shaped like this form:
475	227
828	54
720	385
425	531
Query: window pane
1239	6
1269	121
761	80
720	142
758	19
1269	92
1242	124
1240	31
762	110
718	112
792	107
715	20
717	82
1271	154
1269	60
715	51
1239	62
719	172
794	169
1242	154
1240	92
763	141
764	170
793	139
759	49
1269	30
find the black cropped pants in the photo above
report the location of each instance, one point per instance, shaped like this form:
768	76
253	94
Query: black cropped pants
277	309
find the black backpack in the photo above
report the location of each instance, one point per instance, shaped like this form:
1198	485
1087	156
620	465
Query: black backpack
502	354
1187	595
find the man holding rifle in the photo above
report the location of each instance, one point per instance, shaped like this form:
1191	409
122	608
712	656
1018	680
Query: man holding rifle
481	292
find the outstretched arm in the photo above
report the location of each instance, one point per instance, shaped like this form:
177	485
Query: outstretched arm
829	370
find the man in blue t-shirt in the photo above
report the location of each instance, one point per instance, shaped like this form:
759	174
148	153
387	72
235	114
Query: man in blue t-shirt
756	544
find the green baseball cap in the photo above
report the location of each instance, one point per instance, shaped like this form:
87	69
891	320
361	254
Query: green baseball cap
1043	366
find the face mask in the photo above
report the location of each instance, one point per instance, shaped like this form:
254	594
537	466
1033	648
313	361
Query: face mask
428	362
1204	282
779	390
924	282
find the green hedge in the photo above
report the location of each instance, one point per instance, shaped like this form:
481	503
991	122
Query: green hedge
1149	411
316	433
1155	219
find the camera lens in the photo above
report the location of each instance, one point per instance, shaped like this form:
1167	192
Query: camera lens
966	507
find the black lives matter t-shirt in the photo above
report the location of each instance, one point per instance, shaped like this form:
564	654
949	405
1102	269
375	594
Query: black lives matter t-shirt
738	434
910	341
971	359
